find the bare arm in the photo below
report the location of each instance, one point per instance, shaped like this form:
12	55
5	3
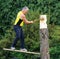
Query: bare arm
25	20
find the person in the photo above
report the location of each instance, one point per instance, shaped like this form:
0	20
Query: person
19	22
44	36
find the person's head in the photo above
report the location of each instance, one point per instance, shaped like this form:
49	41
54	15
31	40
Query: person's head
25	9
42	17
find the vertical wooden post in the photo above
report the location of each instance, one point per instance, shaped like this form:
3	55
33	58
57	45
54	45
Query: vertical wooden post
44	44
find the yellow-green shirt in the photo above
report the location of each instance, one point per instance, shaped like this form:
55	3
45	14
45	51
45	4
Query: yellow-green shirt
18	20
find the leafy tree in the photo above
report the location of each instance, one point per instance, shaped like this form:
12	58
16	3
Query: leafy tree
8	12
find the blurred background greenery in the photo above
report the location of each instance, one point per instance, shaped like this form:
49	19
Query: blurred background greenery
8	12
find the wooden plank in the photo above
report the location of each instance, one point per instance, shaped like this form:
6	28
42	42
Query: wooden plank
28	52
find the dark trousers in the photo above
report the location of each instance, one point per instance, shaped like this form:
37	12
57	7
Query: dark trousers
19	36
44	45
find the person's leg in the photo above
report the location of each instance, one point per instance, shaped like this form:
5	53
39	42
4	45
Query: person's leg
17	31
22	45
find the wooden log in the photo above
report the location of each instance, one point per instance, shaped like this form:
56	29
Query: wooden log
28	52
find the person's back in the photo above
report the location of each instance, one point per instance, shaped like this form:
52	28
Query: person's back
18	20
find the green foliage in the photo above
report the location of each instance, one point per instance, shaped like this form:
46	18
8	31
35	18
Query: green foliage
8	12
